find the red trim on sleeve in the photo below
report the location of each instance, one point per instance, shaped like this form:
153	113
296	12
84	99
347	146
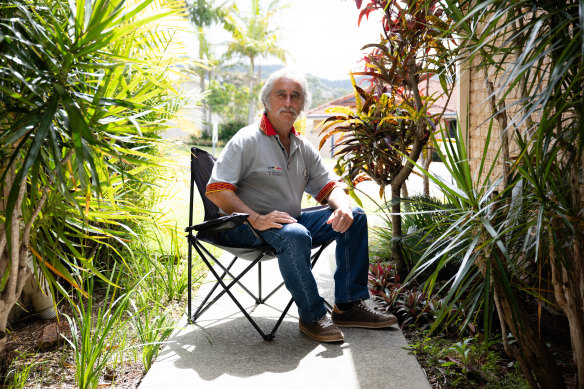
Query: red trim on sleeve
325	191
219	186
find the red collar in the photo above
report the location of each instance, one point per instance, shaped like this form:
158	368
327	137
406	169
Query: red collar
268	129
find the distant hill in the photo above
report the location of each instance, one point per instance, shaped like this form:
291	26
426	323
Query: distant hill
266	70
322	89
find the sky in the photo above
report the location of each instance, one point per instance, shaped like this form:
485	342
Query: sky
321	36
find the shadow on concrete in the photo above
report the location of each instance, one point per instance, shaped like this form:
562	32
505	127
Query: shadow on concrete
223	350
234	348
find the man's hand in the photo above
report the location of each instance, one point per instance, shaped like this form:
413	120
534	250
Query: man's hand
274	219
229	202
341	219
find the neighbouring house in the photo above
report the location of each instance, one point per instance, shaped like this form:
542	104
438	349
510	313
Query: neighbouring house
315	116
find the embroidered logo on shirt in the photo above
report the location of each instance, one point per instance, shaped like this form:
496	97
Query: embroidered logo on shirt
274	171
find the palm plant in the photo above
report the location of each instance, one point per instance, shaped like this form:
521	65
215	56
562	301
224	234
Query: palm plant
530	215
254	37
486	230
203	14
84	93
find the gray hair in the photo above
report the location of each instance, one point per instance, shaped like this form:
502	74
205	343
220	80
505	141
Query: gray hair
286	73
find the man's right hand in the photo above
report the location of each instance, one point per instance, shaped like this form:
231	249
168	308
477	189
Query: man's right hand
274	219
229	202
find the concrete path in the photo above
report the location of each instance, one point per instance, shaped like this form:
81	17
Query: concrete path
223	350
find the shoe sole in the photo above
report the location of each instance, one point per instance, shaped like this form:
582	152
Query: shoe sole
364	324
325	339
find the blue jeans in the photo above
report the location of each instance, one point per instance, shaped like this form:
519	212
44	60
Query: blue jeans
293	243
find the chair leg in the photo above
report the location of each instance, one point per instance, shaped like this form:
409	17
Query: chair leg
204	306
226	288
284	313
203	252
235	280
227	269
189	275
259	299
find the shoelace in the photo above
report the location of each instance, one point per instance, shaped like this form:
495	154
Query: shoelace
366	307
325	322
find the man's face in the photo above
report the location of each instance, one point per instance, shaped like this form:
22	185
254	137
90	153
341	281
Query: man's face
286	101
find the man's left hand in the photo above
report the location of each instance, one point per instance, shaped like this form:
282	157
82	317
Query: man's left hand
341	219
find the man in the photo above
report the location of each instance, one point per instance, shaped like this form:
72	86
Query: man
264	171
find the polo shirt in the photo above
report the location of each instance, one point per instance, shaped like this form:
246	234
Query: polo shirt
256	167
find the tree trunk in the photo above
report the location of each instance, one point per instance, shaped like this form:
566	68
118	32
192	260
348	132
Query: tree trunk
572	287
396	232
534	356
16	258
404	191
252	97
12	257
397	180
568	283
201	71
399	177
426	165
209	112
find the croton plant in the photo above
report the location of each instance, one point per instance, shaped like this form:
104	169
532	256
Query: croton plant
391	124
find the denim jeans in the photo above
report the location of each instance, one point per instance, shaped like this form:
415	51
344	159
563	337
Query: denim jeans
293	243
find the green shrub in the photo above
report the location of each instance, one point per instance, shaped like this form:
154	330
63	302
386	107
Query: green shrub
227	130
424	219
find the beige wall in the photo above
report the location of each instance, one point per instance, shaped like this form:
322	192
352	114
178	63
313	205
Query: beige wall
475	112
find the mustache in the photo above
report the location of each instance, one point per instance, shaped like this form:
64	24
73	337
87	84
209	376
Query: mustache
289	110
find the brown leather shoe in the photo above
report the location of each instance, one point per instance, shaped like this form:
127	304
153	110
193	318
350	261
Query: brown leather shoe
361	315
322	330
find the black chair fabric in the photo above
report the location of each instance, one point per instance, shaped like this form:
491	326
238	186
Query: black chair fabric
201	166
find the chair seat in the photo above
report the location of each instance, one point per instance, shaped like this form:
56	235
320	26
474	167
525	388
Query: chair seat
247	253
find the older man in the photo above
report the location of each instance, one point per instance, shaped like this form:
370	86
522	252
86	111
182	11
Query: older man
264	171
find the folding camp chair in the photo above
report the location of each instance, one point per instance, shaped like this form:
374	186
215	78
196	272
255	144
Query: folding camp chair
201	166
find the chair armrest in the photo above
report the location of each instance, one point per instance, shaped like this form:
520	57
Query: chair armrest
222	223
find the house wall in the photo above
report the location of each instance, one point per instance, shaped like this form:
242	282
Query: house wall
479	123
475	119
475	111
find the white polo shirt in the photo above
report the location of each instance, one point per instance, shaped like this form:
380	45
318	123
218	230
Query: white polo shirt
255	166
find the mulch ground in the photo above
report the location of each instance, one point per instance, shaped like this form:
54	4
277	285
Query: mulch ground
52	364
